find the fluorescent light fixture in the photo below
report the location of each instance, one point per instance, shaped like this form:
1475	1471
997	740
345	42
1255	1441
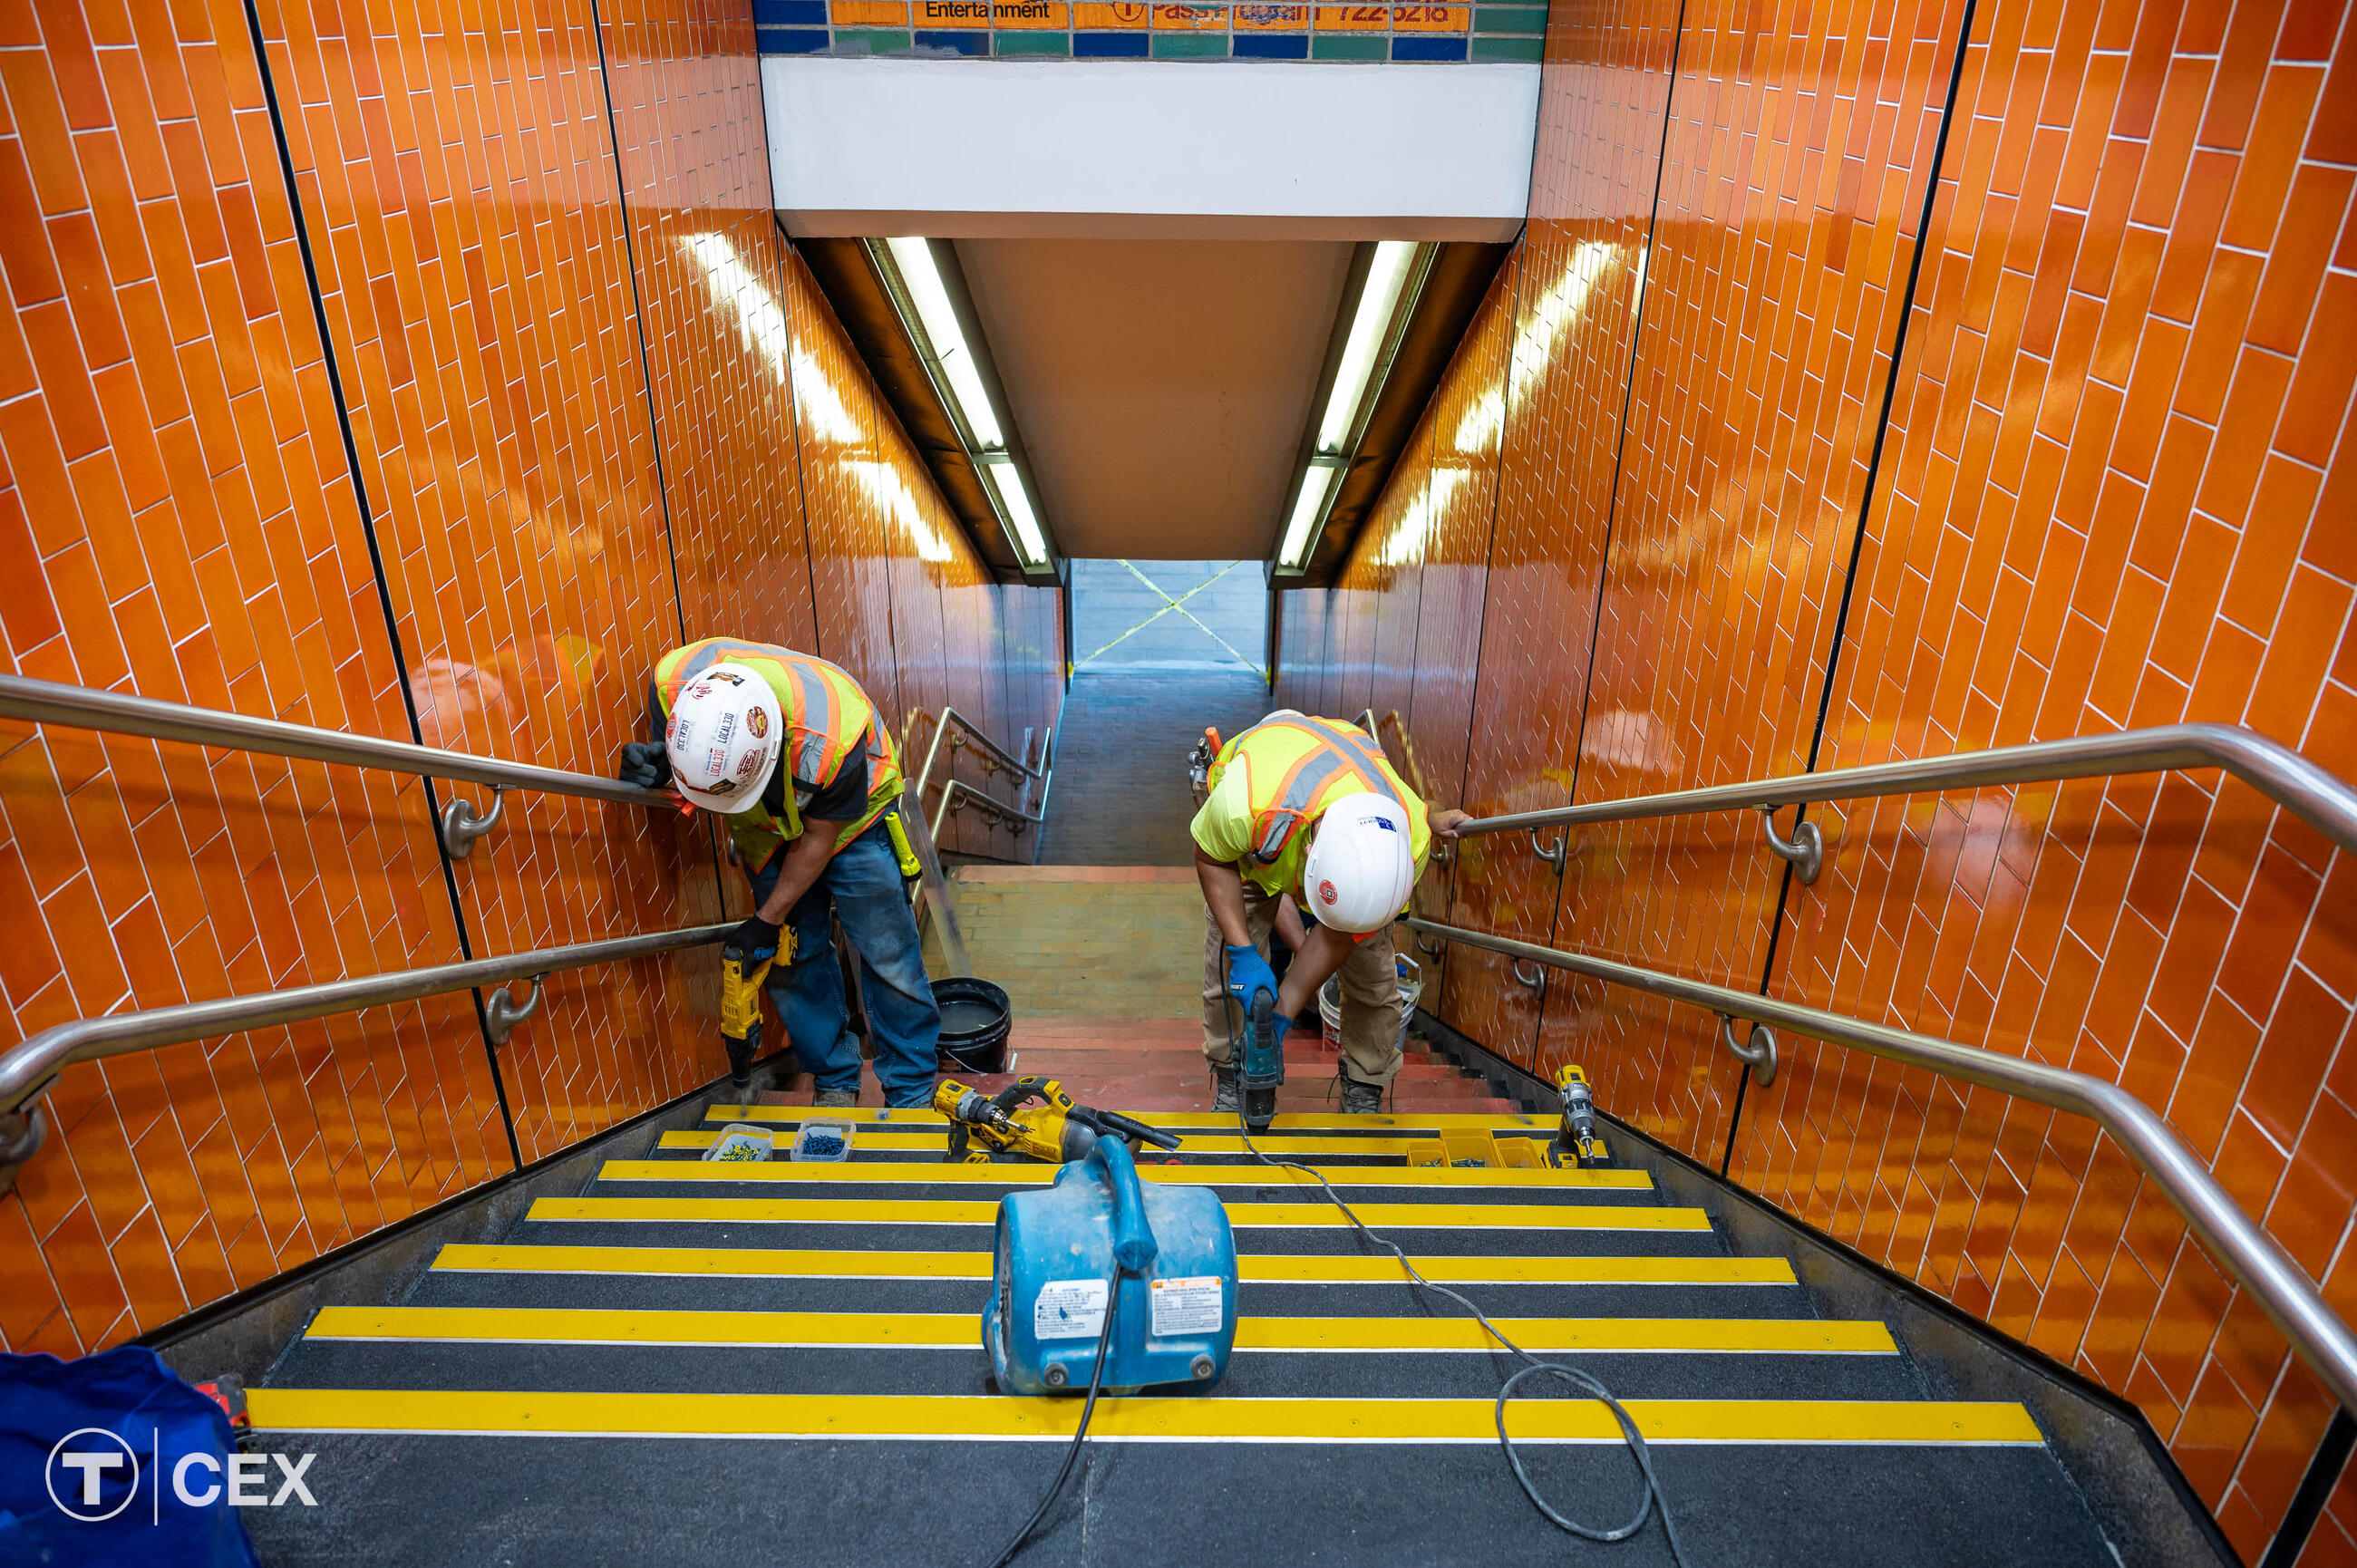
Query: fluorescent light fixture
1017	504
1309	506
914	258
1371	324
1377	301
959	381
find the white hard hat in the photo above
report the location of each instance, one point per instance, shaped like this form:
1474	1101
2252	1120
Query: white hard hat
1360	866
724	738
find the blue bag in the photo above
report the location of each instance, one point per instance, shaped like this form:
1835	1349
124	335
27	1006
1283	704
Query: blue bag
87	1452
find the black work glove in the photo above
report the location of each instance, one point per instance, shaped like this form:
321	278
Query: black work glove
752	941
645	764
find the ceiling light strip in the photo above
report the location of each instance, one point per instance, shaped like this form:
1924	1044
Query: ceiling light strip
1395	277
957	378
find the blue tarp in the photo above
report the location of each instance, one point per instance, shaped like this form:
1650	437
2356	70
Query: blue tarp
102	1435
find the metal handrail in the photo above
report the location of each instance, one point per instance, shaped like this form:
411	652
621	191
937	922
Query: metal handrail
933	886
1004	758
1044	775
29	1068
2291	780
118	712
2254	1258
990	806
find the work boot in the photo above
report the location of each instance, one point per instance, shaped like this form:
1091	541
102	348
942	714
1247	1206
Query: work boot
835	1099
1361	1098
1227	1096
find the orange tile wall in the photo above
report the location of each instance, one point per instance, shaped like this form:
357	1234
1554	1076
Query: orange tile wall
593	398
2111	491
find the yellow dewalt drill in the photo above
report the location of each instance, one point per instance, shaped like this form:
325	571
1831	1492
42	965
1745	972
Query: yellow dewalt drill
1055	1130
1576	1141
742	977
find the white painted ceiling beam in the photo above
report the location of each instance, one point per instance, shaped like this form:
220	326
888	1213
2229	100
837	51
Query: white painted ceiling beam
1142	149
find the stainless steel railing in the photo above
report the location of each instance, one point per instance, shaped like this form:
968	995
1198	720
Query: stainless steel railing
2246	1251
29	1068
2318	798
997	758
47	701
932	893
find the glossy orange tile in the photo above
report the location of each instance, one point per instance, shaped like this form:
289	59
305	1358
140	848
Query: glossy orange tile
587	382
2102	498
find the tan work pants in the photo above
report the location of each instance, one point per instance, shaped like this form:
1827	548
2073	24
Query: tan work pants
1371	1011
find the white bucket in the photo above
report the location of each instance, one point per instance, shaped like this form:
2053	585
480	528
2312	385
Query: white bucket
1411	990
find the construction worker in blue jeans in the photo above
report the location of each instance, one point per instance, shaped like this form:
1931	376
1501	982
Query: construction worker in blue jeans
790	751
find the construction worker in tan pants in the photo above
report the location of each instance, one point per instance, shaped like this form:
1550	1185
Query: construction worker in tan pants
1311	808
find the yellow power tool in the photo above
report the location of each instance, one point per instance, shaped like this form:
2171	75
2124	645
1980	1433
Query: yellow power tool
984	1126
742	977
1576	1142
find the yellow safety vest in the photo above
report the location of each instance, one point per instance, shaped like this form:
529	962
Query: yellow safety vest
1296	767
826	713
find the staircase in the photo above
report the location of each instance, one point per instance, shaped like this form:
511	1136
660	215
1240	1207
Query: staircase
692	1362
1138	1065
1086	941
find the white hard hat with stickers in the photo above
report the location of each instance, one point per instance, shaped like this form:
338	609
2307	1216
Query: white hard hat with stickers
724	738
1361	865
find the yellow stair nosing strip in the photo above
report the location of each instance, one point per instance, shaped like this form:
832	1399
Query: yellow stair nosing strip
1034	1173
987	1418
958	1331
934	1142
1250	1216
1259	1268
1286	1121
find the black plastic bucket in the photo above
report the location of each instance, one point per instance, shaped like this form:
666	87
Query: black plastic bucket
975	1020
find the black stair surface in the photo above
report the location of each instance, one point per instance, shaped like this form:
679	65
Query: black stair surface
707	1362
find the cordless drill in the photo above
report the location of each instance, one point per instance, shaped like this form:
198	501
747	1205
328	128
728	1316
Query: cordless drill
1055	1130
1576	1139
1264	1067
742	973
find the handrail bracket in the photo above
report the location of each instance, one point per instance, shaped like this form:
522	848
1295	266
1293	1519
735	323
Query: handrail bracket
1537	983
1758	1054
502	1012
22	1133
1806	850
462	826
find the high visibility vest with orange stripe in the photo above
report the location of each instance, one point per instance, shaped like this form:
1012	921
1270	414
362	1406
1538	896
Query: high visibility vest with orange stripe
1294	766
826	713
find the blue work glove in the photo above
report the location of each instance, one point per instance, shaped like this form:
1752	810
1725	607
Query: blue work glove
1248	972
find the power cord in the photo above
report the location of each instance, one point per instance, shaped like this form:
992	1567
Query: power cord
1651	1500
1096	1381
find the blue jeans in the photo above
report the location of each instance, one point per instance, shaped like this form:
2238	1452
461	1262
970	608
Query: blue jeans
861	886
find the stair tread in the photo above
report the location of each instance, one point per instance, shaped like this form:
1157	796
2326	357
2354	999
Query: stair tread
1416	1120
1030	1173
408	1496
1304	1214
956	1330
1138	1418
967	1296
975	1265
881	1143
